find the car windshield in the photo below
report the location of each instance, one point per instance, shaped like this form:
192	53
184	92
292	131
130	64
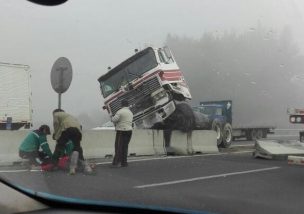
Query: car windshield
102	100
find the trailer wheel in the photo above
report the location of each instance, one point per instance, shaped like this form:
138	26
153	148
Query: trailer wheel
259	134
227	135
301	137
217	127
251	135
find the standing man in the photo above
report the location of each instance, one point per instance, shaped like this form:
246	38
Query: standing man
29	148
68	129
123	126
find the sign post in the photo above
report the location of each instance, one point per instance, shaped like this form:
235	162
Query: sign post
61	77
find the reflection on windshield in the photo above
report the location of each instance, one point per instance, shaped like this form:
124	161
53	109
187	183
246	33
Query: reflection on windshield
128	71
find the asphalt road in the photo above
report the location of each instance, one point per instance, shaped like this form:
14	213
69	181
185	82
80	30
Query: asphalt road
229	182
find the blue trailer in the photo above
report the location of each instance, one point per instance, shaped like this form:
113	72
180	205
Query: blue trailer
220	116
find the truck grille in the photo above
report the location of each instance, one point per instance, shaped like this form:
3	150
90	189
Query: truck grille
138	98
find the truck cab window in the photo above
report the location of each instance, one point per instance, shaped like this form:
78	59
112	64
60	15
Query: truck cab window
161	57
164	58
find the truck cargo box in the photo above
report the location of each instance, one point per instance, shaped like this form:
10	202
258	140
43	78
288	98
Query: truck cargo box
15	96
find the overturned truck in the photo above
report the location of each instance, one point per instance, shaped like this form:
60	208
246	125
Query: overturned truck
154	86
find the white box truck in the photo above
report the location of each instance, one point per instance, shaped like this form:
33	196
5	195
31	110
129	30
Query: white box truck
15	96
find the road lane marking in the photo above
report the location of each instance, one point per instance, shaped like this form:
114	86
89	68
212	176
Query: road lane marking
139	160
21	170
18	170
242	145
205	177
285	135
179	157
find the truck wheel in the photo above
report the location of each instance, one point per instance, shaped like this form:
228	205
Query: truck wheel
259	134
301	137
227	135
264	133
251	135
217	127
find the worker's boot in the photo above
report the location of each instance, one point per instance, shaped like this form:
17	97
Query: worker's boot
87	169
73	162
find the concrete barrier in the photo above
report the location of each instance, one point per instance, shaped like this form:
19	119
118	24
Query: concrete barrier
95	144
141	142
203	141
179	143
195	142
158	142
100	143
9	143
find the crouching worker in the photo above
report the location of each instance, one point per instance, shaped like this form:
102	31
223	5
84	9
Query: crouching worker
31	145
67	130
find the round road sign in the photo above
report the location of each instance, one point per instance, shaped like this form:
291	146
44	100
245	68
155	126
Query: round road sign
61	75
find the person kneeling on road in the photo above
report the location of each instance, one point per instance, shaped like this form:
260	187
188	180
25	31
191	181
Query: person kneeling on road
67	129
30	147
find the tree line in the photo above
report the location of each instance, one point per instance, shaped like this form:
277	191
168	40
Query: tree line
256	69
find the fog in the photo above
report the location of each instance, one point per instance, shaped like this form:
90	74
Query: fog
258	70
247	51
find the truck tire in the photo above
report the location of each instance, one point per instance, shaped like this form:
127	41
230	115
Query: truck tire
254	134
302	137
227	135
251	135
259	134
217	127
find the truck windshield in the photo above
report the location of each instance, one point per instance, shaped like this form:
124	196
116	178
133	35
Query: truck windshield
127	71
